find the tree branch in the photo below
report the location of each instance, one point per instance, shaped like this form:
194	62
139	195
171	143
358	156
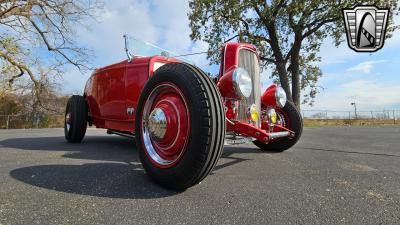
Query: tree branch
22	67
260	15
318	25
12	79
264	58
280	5
251	35
51	48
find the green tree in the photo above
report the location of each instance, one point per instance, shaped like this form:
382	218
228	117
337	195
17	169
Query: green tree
287	33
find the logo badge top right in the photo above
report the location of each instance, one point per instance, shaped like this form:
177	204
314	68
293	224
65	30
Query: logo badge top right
365	27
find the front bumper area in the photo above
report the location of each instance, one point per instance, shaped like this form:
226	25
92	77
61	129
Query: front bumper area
247	130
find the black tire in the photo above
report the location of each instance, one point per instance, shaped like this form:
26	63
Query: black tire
207	127
295	124
75	125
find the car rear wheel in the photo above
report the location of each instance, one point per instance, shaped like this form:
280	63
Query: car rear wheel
180	126
290	118
75	119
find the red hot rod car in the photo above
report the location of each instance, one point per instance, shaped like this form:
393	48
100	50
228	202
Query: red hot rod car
180	116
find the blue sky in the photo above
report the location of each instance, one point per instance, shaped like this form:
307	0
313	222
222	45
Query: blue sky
371	80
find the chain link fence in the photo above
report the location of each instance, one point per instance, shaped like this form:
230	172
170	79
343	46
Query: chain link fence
380	117
311	117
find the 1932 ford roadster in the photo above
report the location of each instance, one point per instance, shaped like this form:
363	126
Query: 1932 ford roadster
180	116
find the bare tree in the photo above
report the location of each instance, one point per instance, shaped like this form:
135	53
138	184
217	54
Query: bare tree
37	34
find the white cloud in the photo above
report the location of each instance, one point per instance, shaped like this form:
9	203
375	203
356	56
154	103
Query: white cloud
368	94
117	18
73	81
165	23
338	55
161	22
335	55
364	67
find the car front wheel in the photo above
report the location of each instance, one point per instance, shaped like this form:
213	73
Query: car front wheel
180	126
290	118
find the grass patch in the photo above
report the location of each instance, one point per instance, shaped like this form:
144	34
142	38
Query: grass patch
347	122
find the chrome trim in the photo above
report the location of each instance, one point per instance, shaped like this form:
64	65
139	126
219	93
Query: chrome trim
229	121
278	103
128	54
68	121
157	124
233	139
248	60
270	113
121	134
276	135
236	86
130	110
147	138
266	117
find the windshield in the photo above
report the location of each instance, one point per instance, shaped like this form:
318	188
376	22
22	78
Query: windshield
138	47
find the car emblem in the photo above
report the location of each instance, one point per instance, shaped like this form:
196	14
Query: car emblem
130	110
365	27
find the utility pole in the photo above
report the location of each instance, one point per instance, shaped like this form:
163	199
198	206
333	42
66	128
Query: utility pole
8	122
355	108
394	118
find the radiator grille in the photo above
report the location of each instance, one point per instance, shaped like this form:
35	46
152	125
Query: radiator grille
249	61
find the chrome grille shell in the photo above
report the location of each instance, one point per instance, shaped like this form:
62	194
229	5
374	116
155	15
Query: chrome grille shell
248	60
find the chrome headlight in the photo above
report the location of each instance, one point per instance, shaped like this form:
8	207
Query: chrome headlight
280	96
242	82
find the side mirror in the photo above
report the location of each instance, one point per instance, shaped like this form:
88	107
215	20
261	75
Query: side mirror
128	52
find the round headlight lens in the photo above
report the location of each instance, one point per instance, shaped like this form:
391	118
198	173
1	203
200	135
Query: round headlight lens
280	96
243	83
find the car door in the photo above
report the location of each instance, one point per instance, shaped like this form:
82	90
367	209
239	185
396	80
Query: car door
113	93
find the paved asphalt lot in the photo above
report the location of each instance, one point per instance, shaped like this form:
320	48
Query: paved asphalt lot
334	175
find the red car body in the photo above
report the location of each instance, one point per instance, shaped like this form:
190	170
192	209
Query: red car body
180	116
114	88
112	93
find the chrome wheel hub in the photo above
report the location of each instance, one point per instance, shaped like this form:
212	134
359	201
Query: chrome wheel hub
157	124
68	121
165	125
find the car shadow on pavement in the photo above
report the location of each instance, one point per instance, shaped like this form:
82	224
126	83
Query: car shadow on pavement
108	148
112	180
116	171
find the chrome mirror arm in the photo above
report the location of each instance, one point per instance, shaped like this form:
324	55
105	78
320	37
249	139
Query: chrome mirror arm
126	49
